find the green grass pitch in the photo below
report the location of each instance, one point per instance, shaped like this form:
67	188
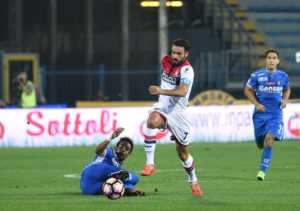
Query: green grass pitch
33	179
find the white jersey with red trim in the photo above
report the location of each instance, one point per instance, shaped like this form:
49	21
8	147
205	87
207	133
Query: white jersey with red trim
171	80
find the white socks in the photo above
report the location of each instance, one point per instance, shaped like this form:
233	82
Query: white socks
189	166
150	151
149	146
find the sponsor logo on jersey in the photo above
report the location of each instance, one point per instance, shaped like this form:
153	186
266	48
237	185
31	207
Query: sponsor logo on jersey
262	78
270	89
271	83
170	79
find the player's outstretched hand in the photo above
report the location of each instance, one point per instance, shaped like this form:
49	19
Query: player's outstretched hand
260	107
154	90
116	133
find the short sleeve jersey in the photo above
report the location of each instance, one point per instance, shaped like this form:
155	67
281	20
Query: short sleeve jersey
269	88
183	75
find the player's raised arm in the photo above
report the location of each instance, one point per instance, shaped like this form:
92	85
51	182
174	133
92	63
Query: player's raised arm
180	91
102	146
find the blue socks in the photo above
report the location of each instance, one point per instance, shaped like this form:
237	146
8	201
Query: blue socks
266	159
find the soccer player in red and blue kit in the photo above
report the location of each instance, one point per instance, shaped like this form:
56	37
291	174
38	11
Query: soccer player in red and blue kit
268	89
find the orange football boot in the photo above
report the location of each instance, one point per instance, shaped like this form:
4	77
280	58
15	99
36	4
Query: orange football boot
148	170
196	190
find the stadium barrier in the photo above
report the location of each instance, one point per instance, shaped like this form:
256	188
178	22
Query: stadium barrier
88	126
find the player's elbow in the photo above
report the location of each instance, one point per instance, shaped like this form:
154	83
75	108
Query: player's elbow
247	91
97	152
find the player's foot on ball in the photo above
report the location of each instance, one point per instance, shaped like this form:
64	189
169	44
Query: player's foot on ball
196	190
134	192
121	175
261	176
148	170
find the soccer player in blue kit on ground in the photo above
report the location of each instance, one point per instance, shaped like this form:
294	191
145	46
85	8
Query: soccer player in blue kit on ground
268	89
107	163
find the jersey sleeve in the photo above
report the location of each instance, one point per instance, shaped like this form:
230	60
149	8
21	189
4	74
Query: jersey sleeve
187	75
252	81
285	82
108	153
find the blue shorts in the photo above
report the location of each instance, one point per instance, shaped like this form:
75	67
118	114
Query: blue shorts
93	177
264	124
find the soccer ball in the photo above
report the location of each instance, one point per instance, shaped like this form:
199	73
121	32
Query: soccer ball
113	188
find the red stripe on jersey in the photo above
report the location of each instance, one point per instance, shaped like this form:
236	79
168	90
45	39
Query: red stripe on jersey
169	69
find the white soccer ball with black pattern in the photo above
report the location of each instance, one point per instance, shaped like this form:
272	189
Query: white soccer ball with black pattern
113	188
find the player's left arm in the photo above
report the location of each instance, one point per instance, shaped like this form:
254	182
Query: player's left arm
285	97
286	91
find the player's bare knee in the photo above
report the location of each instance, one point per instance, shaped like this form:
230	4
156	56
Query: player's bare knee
269	143
153	123
155	120
150	124
268	140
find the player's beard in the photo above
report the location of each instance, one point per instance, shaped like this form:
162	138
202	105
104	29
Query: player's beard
176	62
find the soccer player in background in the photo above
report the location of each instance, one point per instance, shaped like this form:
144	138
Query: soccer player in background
268	89
174	91
107	163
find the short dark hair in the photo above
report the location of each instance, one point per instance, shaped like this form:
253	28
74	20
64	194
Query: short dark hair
128	140
182	43
271	51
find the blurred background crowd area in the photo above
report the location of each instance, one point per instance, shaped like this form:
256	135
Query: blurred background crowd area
109	50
